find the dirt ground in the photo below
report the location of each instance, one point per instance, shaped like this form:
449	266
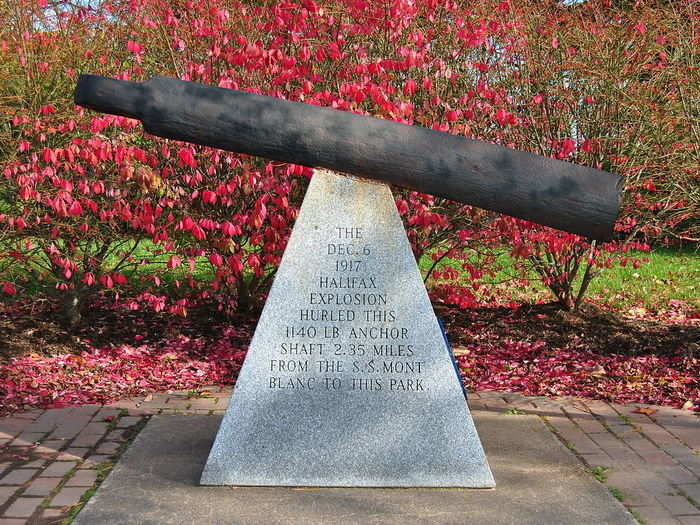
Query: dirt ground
600	330
36	329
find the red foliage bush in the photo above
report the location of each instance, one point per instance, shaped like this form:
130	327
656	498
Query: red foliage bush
81	195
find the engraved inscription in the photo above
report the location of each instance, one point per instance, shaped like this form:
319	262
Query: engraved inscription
345	336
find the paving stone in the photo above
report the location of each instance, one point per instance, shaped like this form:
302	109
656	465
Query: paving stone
95	428
32	413
116	435
59	469
18	476
203	403
106	412
574	435
27	438
67	496
615	448
632	412
128	421
155	404
654	484
659	435
677	449
581	442
497	404
597	460
6	493
206	411
684	427
659	459
676	464
677	474
82	478
87	411
134	407
41	426
23	507
41	486
678	505
52	513
12	425
108	448
54	444
73	454
589	424
627	481
691	462
37	463
656	516
642	445
52	418
45	452
172	411
70	429
600	408
622	430
95	460
86	440
692	490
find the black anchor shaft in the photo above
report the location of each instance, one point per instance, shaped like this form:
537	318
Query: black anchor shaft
570	197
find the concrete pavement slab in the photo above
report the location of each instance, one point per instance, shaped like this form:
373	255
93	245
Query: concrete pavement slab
538	482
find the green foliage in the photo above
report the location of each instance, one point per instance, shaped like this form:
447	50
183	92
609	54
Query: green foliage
670	274
600	473
617	493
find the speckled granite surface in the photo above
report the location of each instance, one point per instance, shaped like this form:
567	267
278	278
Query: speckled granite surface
348	382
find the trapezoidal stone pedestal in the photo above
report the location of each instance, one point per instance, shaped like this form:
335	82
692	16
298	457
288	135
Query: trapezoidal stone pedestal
348	381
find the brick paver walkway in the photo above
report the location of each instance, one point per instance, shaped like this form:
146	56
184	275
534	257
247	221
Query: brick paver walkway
51	459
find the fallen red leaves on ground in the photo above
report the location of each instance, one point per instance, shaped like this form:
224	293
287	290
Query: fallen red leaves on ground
599	353
101	375
537	369
533	350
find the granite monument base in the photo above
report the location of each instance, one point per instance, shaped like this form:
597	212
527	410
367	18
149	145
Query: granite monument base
540	482
348	381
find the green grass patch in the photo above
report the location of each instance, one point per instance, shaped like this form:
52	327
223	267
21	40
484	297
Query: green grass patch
637	517
626	420
600	473
669	275
137	274
617	493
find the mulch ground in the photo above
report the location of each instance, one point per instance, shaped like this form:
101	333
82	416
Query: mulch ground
534	349
602	330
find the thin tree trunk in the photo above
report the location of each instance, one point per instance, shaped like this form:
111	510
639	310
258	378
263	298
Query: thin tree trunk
72	304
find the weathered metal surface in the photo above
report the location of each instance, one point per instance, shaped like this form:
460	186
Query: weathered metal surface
574	198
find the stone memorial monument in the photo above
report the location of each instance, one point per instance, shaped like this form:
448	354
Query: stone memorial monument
348	380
